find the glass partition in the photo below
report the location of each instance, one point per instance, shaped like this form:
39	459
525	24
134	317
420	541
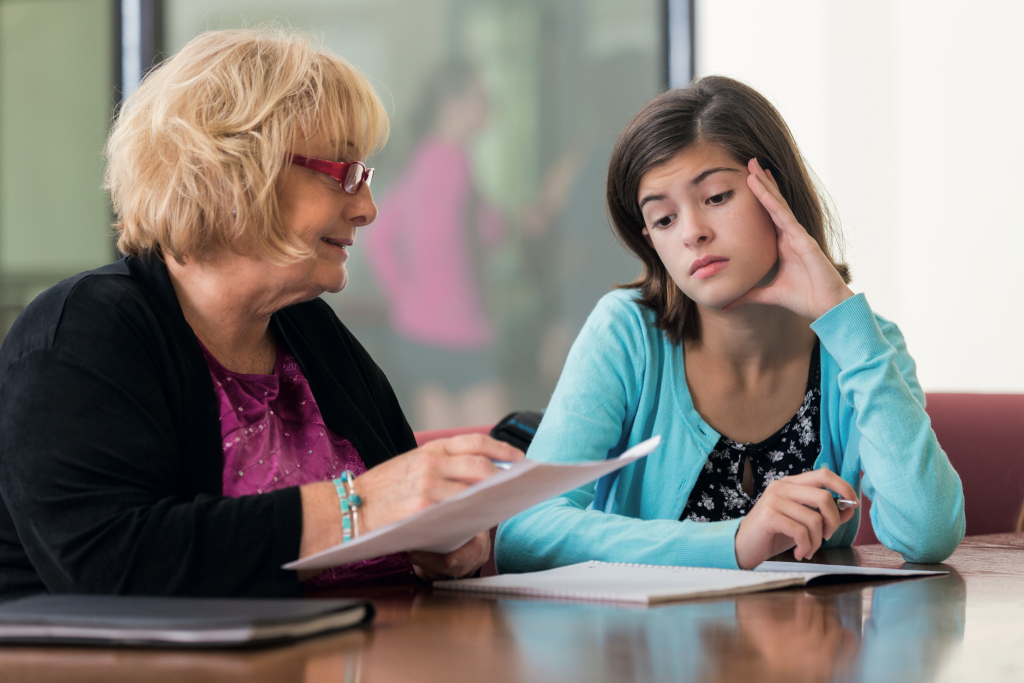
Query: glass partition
491	244
56	99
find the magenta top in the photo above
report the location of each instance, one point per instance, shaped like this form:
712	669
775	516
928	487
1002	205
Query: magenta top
274	436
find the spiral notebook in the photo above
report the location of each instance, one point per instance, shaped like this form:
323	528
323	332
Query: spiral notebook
652	584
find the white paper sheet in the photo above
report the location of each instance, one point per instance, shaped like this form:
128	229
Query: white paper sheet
448	525
618	582
841	569
650	584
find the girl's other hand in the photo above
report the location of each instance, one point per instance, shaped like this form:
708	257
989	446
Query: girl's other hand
806	282
793	511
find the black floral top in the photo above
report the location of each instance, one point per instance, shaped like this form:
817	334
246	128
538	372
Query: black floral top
718	494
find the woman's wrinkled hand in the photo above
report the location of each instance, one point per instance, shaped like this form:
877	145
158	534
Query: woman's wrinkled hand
793	511
806	282
412	482
456	564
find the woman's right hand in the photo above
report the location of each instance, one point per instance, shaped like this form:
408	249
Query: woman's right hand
413	481
403	486
793	511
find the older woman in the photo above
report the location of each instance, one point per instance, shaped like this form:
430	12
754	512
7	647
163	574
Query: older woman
172	423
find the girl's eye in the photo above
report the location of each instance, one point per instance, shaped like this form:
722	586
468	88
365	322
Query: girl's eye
663	222
721	198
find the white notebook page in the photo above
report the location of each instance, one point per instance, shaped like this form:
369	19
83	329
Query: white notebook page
619	582
649	584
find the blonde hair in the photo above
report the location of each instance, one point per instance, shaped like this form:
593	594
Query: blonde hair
194	155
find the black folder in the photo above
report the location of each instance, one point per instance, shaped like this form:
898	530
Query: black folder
136	621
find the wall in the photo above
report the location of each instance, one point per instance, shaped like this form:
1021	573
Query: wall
56	96
909	113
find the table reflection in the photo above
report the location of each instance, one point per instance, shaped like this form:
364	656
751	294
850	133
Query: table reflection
806	638
911	628
439	638
883	632
333	658
844	632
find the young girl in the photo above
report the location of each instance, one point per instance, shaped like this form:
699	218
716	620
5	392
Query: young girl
773	387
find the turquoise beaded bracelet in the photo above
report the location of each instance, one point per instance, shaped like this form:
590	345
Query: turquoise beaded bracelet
349	501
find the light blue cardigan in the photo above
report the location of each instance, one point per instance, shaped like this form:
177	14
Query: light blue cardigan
624	382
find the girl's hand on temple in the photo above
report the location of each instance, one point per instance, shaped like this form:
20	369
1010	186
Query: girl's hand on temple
793	511
806	282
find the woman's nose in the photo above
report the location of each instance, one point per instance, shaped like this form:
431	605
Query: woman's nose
360	209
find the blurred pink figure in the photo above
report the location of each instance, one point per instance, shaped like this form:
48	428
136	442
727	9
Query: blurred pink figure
422	256
426	248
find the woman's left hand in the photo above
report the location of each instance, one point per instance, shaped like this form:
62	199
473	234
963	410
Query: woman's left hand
806	283
456	564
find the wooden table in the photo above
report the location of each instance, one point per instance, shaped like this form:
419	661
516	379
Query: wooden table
968	626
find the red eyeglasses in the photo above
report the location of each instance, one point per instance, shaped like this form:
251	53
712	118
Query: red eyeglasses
350	174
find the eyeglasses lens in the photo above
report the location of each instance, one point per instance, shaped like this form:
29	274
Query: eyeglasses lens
354	178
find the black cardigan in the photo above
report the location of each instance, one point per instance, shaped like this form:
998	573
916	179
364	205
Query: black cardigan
110	456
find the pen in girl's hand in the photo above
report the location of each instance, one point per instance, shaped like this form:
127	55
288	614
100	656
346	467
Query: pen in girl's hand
843	503
502	464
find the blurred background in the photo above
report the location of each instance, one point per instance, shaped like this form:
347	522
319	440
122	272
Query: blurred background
492	244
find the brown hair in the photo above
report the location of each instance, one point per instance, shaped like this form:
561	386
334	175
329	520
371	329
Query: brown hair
194	156
718	111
